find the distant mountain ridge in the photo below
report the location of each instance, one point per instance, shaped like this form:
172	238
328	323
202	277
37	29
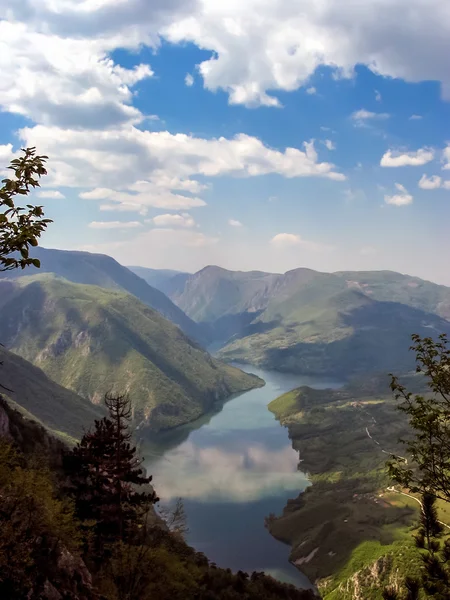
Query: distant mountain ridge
157	278
105	272
93	340
308	321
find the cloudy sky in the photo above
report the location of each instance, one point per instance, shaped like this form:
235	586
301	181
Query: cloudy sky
256	134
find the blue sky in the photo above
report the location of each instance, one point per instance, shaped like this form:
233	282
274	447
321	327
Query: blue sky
260	135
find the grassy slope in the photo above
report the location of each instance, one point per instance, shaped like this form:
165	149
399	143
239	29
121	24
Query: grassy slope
92	340
104	271
362	531
40	398
395	287
339	332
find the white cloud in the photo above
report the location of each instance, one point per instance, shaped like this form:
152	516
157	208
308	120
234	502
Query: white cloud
180	220
124	207
6	154
281	240
362	117
401	199
64	81
114	224
415	117
431	183
234	223
56	65
378	97
311	91
407	159
61	49
141	195
330	145
54	194
288	240
189	80
252	56
446	158
120	159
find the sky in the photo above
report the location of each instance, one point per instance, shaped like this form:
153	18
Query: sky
265	134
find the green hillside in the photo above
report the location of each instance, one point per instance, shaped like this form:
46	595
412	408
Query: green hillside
30	390
351	530
104	271
395	287
311	322
343	334
93	340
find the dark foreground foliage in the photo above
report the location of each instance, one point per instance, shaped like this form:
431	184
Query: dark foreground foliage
51	546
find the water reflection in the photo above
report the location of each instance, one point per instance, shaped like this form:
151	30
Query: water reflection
242	474
232	470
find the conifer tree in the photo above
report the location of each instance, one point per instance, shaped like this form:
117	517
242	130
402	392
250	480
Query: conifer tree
106	478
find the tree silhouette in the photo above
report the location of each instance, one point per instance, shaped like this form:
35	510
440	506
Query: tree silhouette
21	227
110	489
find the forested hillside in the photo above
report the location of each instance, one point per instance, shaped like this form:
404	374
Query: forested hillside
93	340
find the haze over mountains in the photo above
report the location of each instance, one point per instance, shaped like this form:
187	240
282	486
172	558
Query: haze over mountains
311	322
93	326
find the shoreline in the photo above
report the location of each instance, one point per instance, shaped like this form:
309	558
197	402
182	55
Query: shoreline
346	521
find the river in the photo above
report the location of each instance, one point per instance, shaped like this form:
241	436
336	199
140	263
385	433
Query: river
232	469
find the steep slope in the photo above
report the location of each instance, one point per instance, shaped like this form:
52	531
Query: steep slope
341	335
157	278
350	517
395	287
93	340
104	271
214	292
321	323
35	395
225	301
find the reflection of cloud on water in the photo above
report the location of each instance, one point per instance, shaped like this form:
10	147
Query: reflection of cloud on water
215	474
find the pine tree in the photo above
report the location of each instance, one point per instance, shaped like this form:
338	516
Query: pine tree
106	478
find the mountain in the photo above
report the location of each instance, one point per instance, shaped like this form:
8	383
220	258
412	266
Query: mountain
104	271
38	397
395	287
351	509
157	278
93	340
312	322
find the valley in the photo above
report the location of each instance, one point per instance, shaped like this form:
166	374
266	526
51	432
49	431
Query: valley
231	471
94	340
274	477
304	321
